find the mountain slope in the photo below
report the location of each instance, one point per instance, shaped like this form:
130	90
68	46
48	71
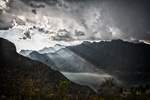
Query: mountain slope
116	54
15	67
127	61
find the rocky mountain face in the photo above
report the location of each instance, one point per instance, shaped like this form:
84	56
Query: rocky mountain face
127	61
116	54
15	67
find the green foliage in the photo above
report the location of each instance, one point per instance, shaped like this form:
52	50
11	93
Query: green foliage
31	86
46	91
63	90
109	88
133	95
17	84
99	98
104	98
25	87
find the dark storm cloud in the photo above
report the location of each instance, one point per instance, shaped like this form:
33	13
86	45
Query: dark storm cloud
98	19
132	17
5	21
79	33
34	11
63	35
7	15
49	2
37	5
5	25
26	35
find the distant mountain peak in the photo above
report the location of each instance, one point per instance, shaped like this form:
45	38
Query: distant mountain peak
14	66
7	46
117	40
25	52
85	42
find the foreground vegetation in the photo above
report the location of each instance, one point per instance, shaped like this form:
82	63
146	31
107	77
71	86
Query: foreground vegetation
25	89
24	79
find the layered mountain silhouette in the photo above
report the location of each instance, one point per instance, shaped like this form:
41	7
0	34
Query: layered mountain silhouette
127	61
15	67
116	54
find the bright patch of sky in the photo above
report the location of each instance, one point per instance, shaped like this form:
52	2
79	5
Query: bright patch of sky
38	24
3	4
37	42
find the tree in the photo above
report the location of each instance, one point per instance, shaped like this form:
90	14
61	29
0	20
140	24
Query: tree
63	89
109	88
133	94
46	91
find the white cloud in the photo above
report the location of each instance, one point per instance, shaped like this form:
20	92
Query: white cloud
3	4
37	42
98	20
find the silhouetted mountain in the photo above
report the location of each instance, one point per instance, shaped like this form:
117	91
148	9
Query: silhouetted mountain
86	42
47	50
127	61
51	49
42	58
25	52
15	67
116	54
137	41
63	60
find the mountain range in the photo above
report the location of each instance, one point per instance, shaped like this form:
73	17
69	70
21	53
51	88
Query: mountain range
15	68
127	62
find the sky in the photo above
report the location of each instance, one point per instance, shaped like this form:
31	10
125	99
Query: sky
35	24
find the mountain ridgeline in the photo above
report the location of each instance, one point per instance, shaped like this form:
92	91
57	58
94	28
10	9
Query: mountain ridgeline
16	69
127	61
117	54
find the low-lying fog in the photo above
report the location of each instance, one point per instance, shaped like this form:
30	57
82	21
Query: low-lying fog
91	79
